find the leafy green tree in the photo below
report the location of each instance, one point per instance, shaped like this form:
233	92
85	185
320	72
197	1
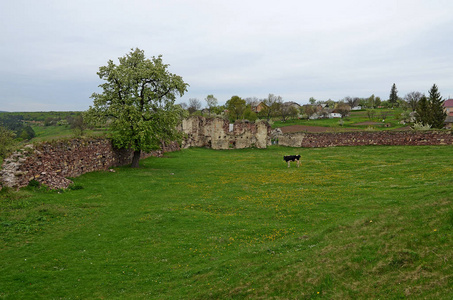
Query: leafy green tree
236	107
330	103
27	133
370	102
16	123
138	101
377	102
249	114
393	98
271	105
438	114
211	102
309	110
371	113
7	141
78	125
343	109
293	112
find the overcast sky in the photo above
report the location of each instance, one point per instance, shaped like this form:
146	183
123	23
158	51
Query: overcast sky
50	51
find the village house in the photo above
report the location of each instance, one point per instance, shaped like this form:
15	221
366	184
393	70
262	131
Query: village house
258	107
448	108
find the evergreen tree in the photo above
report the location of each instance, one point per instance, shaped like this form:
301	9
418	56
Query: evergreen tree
423	111
393	99
437	115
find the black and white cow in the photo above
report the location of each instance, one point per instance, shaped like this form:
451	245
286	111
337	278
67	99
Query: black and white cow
290	158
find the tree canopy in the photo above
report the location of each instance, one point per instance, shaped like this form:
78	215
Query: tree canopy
236	107
138	102
272	105
211	102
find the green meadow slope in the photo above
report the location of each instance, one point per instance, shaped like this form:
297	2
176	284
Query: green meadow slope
351	222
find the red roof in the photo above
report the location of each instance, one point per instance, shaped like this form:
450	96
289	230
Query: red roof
448	103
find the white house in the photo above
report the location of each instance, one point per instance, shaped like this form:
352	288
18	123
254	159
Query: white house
334	115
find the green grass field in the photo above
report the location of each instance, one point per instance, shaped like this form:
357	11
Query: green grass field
354	120
49	133
351	222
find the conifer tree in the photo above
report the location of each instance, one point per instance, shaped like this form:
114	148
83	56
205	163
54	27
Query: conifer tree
393	99
437	114
423	111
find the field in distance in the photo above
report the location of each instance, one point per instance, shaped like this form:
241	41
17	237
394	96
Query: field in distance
351	222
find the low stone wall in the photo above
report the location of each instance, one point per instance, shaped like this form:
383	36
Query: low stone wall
216	133
362	138
51	163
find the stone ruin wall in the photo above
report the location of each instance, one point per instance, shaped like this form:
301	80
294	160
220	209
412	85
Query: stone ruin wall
51	163
363	138
215	133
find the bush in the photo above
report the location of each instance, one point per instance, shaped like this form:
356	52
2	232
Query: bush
7	142
74	187
33	184
420	127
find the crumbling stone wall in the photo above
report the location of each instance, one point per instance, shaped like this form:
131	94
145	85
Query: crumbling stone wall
362	138
51	163
215	133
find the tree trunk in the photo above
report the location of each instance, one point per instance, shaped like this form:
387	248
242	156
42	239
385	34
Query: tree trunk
136	159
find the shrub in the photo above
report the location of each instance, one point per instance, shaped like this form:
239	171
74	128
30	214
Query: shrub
7	142
34	184
74	187
420	127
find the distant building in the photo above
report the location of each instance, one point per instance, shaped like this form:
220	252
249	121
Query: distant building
448	107
334	115
257	107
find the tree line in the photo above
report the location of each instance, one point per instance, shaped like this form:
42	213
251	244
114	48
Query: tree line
427	110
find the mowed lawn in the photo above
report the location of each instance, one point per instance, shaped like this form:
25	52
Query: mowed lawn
350	223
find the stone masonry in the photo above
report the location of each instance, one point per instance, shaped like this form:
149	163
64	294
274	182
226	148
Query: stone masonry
217	133
362	138
51	163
